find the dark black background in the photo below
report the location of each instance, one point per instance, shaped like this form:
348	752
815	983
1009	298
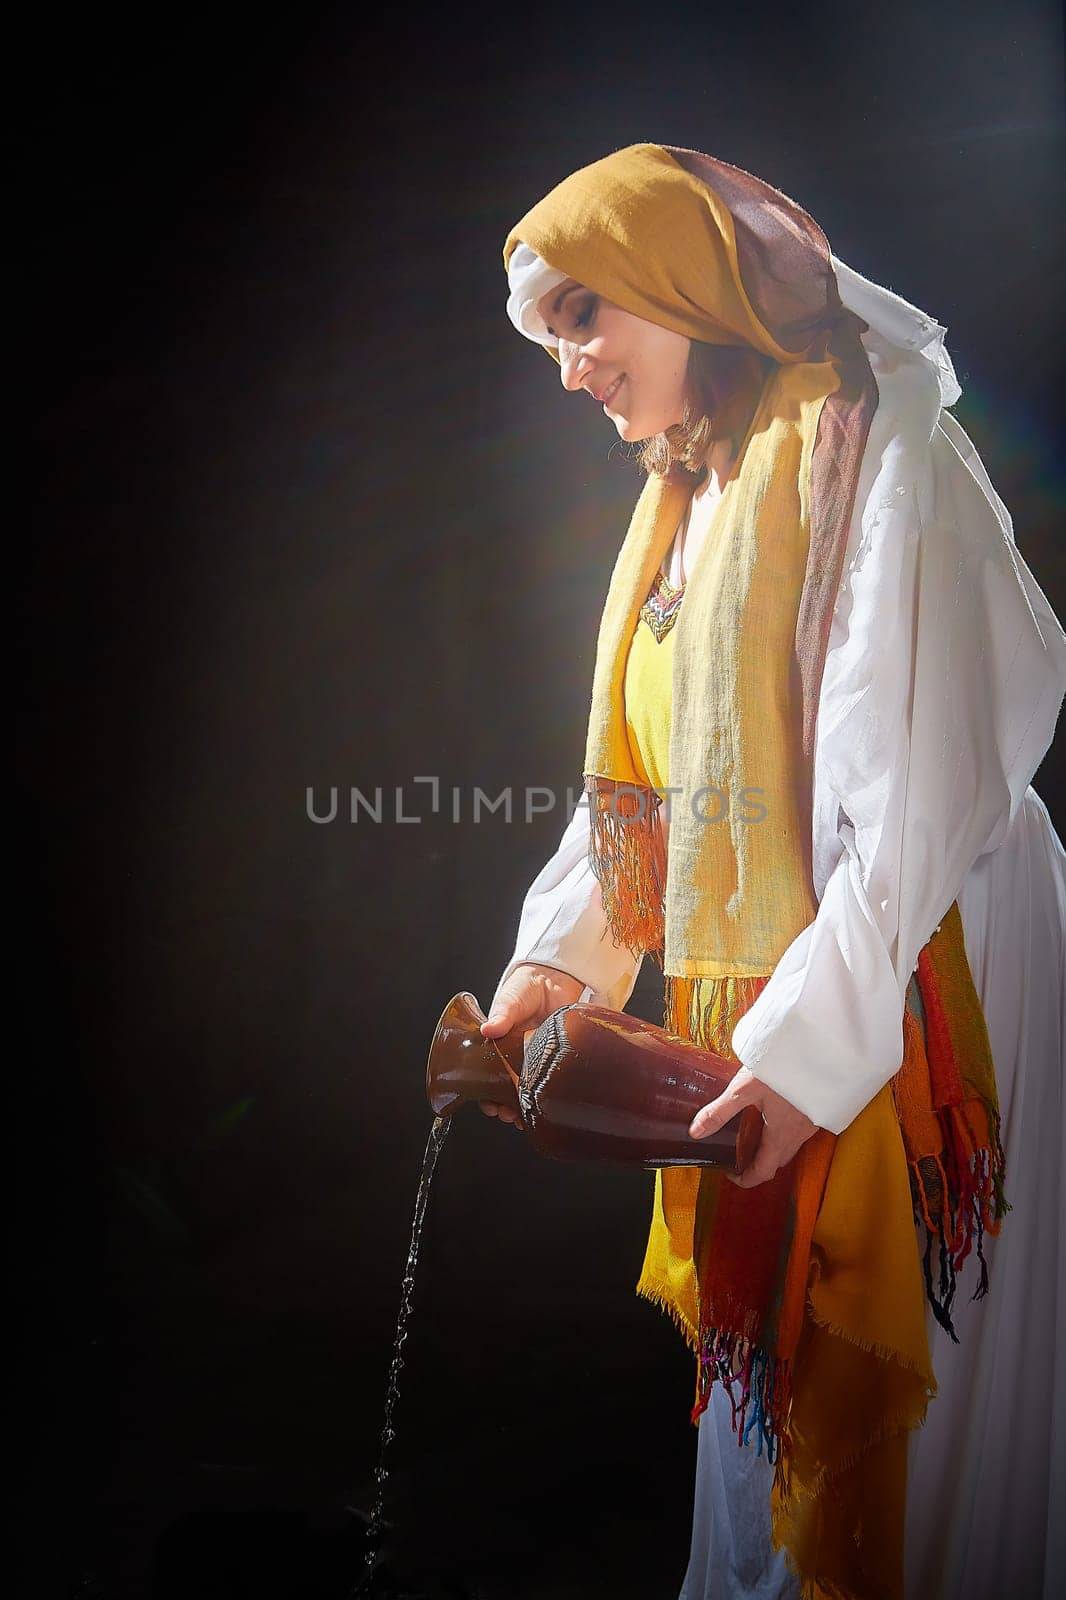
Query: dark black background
306	511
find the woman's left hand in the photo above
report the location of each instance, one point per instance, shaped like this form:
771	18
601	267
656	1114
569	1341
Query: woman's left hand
785	1128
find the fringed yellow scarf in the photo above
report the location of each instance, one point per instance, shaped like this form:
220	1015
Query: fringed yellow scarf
803	1296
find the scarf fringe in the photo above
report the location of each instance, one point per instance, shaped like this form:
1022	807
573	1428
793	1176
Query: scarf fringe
647	1291
627	853
870	1347
764	1383
706	1010
958	1198
904	1421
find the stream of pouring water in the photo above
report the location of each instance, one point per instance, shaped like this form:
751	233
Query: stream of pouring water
437	1135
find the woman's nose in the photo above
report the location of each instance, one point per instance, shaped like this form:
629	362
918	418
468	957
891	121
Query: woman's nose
573	365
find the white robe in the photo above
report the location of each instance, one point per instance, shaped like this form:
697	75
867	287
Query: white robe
944	676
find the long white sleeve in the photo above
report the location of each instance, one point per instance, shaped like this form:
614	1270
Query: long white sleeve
563	924
944	676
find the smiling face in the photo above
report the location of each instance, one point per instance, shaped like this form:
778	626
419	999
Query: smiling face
634	369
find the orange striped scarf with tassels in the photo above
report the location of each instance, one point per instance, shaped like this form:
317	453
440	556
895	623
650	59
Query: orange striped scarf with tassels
799	1295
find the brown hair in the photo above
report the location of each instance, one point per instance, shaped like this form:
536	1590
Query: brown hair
722	388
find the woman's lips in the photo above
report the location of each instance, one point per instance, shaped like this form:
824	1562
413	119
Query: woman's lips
611	390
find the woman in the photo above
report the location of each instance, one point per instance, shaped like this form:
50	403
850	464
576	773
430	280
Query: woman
820	640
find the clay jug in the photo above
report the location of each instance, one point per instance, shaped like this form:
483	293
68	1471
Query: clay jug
591	1084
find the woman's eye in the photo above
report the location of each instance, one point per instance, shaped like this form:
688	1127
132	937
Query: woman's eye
585	313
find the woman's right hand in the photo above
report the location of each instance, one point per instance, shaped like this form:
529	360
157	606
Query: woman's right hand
530	994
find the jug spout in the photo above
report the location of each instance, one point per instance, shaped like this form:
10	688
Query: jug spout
463	1065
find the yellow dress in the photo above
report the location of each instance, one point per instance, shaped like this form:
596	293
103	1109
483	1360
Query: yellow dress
668	1277
649	668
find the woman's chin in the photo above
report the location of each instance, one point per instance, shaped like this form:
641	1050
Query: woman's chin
635	431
